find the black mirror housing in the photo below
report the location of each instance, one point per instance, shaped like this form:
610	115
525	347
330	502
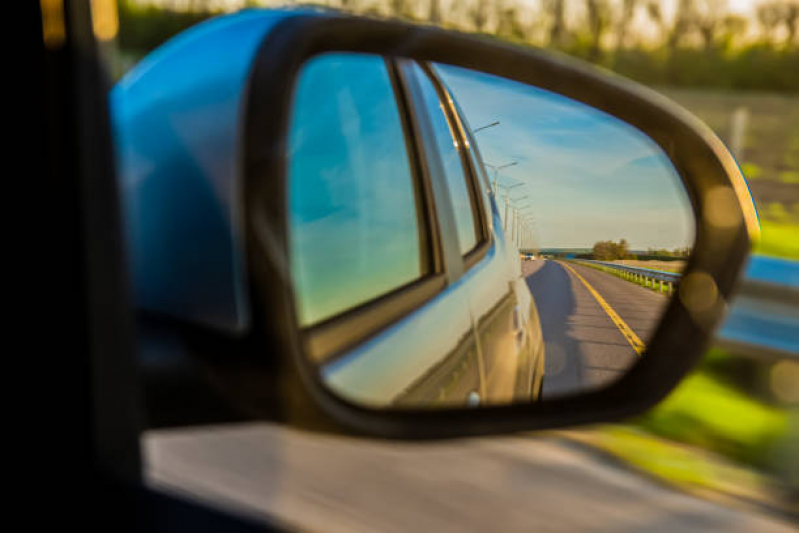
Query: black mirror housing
249	356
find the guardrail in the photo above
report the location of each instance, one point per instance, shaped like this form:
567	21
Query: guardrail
655	279
764	316
763	321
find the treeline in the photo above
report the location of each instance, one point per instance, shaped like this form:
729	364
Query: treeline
143	27
678	253
701	44
612	251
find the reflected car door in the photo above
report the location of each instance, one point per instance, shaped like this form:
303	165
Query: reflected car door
528	340
381	313
500	304
528	344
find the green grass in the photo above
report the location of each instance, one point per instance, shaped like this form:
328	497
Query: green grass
779	239
705	412
686	467
789	176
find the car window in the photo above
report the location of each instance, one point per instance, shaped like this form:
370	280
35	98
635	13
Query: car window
448	149
471	146
354	228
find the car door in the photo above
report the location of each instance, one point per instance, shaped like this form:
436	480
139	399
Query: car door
525	343
491	272
388	327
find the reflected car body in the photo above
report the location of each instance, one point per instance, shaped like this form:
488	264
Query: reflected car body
471	333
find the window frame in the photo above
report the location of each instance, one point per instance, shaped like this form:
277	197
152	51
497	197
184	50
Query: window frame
483	232
330	338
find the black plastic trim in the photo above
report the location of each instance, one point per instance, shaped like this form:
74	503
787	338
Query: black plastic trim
698	156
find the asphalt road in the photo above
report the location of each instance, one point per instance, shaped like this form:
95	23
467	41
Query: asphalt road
585	349
331	484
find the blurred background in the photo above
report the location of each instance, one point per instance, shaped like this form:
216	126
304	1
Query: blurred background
730	432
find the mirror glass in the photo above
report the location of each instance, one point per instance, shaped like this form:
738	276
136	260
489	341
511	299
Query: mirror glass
459	239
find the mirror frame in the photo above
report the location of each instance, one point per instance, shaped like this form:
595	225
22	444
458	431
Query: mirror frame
725	217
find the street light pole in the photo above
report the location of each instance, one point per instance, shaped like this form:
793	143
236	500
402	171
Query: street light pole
481	128
516	224
527	236
507	201
505	219
496	169
513	230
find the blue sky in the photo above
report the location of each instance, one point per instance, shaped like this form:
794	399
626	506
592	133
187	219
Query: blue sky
351	193
588	176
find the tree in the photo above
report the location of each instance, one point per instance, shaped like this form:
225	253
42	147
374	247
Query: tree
434	15
672	32
731	27
792	22
769	15
656	14
508	23
623	249
611	251
624	21
399	8
598	17
709	20
557	28
787	13
775	13
683	22
479	14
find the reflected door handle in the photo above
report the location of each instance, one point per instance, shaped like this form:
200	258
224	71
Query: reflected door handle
518	326
473	399
518	321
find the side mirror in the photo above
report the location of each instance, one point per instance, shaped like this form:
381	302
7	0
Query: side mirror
362	225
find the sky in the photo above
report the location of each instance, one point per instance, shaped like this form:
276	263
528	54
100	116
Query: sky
588	176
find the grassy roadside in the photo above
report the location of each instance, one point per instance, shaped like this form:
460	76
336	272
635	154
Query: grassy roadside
713	440
690	469
621	275
779	239
708	413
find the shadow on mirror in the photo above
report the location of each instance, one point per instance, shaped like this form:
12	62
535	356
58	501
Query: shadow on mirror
458	239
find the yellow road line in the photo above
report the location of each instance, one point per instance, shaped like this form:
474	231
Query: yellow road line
626	331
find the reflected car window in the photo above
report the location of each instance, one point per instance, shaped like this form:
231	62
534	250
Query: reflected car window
351	190
447	147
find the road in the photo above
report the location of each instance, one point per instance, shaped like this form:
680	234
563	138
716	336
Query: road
509	484
540	482
585	348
